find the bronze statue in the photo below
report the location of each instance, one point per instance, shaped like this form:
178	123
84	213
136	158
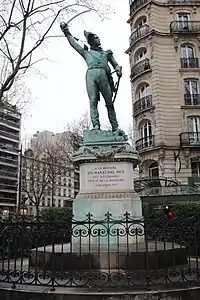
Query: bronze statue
98	77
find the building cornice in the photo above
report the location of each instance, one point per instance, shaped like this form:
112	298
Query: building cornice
161	5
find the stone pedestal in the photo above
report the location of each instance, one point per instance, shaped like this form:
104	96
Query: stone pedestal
106	178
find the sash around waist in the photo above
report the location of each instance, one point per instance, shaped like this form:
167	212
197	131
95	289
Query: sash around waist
98	67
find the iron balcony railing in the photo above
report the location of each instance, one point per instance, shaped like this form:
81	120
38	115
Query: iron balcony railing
9	161
9	135
192	99
138	33
190	139
135	5
192	62
4	121
185	27
8	201
8	174
140	67
183	1
142	104
8	187
109	253
144	143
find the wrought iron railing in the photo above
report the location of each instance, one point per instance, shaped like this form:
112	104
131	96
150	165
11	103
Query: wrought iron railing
169	191
192	99
8	174
185	27
138	33
142	104
190	139
192	62
9	135
7	201
5	121
145	142
9	160
109	253
135	5
183	1
8	187
140	67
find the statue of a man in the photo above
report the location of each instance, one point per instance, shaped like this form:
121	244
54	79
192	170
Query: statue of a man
98	76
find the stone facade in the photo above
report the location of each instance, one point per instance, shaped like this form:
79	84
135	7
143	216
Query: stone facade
165	76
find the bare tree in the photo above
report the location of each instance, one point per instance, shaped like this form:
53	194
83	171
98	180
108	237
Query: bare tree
43	165
35	179
24	28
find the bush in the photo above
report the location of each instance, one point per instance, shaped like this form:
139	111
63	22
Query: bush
54	214
183	228
19	235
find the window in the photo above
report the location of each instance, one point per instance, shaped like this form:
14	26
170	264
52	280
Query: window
59	203
69	183
194	129
188	59
187	52
154	170
141	55
143	91
146	134
141	23
195	169
191	92
183	21
64	192
140	26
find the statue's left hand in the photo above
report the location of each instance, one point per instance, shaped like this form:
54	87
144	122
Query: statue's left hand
119	74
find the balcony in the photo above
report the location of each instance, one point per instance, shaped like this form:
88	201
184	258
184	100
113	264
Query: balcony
184	2
9	161
9	135
186	27
139	33
192	99
140	67
8	188
190	139
8	174
135	5
144	143
188	63
8	201
142	104
10	123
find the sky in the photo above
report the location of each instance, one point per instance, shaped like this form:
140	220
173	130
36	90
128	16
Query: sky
58	91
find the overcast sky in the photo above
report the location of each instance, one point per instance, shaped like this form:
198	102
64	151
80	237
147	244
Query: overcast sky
59	94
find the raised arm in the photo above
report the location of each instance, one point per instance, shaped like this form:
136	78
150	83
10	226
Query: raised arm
114	64
72	40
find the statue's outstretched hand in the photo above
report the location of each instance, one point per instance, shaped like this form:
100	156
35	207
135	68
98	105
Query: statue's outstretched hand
64	27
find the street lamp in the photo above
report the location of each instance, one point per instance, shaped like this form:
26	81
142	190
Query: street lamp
23	211
6	213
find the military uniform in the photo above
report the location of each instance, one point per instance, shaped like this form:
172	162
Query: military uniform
98	80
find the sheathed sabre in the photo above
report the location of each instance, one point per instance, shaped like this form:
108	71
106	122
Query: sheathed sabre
116	88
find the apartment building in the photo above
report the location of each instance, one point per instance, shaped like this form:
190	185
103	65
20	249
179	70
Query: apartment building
60	179
10	120
164	57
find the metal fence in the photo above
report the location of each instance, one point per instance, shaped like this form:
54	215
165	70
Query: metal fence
100	254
